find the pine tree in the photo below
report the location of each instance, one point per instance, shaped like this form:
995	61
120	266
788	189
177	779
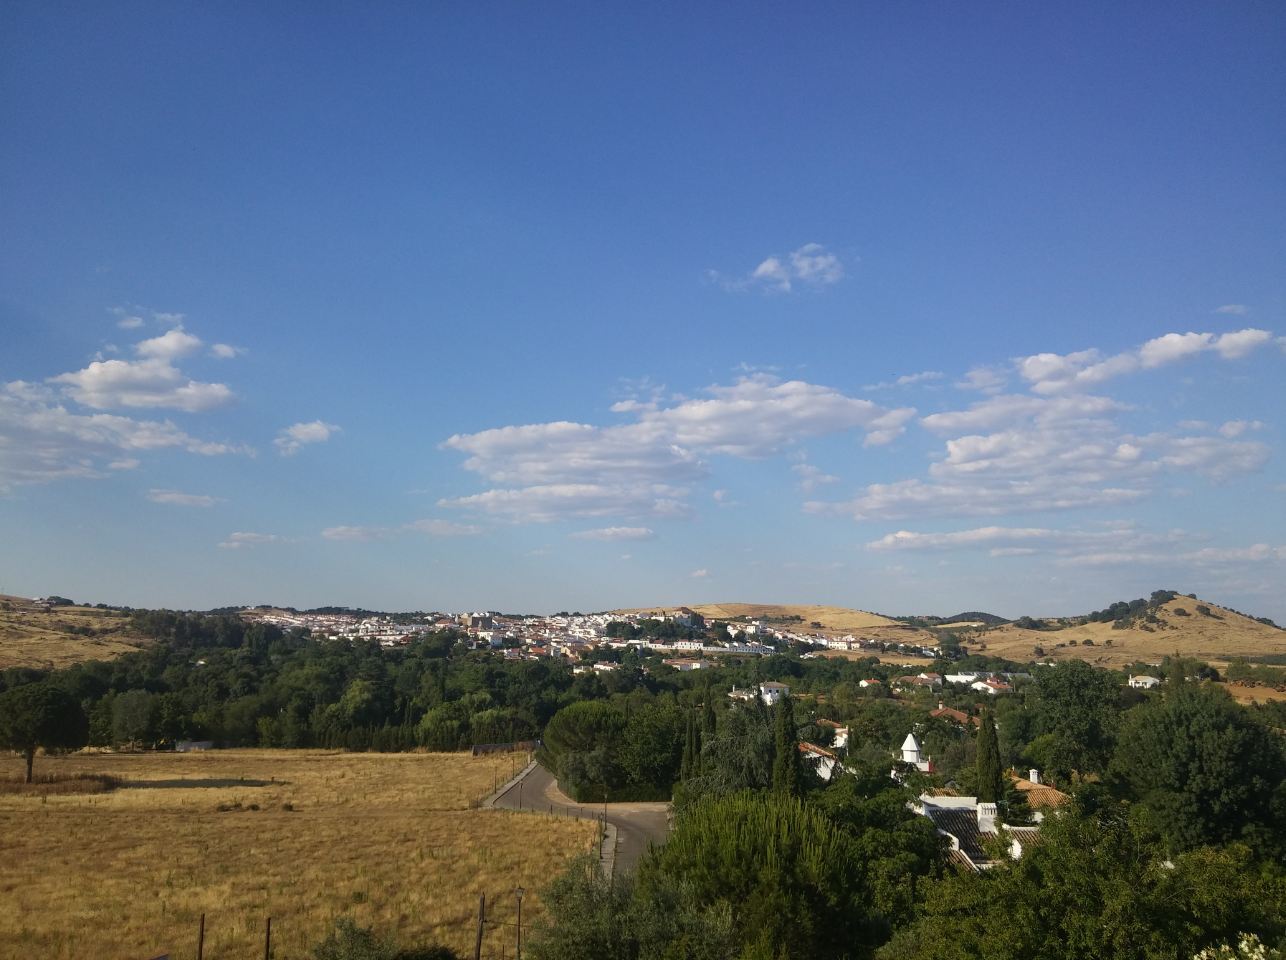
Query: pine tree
785	769
991	784
687	766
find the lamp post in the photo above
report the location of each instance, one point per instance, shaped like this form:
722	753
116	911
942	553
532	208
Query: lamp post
518	954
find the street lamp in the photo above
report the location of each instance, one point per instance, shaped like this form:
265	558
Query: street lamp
519	892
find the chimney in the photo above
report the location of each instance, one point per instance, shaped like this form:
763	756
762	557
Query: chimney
1033	775
987	818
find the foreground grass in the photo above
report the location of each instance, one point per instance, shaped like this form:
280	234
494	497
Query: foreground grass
389	839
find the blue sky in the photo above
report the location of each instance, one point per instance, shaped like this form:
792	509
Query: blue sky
580	306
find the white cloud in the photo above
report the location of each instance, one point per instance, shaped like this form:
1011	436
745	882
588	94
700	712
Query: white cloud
701	574
291	438
644	469
968	497
41	441
810	265
129	322
178	499
1256	553
984	380
1049	373
1233	309
613	534
924	377
1235	428
225	351
811	477
1234	346
241	540
548	502
150	381
169	346
430	528
105	384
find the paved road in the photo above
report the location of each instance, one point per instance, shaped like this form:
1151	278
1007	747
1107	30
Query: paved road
637	824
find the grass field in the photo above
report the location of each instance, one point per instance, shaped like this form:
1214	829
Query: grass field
389	839
33	637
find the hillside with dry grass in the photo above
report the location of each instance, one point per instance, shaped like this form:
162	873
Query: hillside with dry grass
1214	634
33	636
393	840
809	618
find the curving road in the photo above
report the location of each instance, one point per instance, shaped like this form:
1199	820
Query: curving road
638	825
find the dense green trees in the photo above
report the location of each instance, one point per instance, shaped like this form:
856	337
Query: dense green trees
1076	714
1202	770
1096	888
40	716
787	874
787	777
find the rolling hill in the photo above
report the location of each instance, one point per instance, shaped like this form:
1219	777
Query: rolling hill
31	636
1216	636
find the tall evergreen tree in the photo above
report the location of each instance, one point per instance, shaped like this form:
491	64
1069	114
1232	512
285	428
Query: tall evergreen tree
785	770
991	780
687	766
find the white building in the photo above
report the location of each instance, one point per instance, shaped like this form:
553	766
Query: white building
911	755
771	692
1144	682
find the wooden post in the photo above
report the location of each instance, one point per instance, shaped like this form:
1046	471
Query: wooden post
482	911
200	939
267	940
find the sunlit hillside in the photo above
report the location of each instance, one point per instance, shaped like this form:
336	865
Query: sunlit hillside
33	636
1185	625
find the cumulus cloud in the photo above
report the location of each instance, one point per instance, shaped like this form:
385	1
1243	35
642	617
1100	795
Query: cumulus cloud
612	534
701	574
295	436
811	265
179	499
225	351
153	380
984	380
242	540
42	441
1049	373
646	468
1233	309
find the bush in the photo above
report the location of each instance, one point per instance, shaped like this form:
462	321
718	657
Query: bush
348	941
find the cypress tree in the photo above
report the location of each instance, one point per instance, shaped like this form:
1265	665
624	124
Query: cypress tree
688	763
785	768
991	783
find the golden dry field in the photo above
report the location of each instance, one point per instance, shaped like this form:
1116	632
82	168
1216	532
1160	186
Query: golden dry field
392	840
833	620
32	637
1215	639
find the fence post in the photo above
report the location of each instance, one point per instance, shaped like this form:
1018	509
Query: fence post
482	910
267	940
200	939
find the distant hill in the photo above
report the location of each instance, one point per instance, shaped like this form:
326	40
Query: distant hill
808	618
970	618
1180	624
33	636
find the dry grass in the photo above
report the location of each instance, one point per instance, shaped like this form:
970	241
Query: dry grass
1215	639
389	839
1259	694
32	637
836	620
